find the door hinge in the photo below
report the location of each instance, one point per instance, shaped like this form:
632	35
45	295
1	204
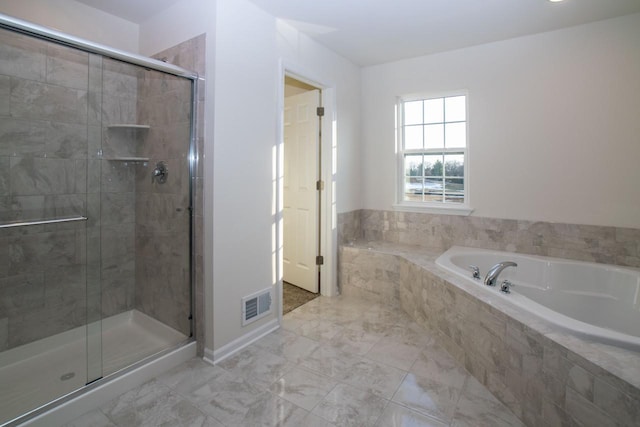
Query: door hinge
320	111
319	260
320	185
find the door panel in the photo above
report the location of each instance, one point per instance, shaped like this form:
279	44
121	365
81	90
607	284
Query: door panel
301	133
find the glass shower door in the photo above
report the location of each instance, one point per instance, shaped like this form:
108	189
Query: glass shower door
45	303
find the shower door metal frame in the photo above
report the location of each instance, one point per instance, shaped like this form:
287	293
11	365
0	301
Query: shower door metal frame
44	33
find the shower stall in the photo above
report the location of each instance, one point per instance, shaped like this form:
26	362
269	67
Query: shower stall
96	175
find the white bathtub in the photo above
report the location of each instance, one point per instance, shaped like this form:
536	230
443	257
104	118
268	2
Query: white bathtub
595	301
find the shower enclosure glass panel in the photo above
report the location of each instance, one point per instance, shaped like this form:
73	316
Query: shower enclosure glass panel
95	259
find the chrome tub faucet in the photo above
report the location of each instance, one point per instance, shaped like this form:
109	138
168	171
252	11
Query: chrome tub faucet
492	275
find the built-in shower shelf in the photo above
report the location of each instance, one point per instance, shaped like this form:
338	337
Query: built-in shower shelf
127	159
128	126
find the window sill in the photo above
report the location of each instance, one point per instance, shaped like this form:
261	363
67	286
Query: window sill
445	209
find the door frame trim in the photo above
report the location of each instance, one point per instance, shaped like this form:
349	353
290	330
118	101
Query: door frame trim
328	217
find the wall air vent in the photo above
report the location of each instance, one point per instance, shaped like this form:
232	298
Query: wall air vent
256	306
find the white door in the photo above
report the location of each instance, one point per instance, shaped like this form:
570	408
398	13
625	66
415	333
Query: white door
301	133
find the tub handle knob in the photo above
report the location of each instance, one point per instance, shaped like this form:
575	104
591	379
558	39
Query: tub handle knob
476	271
506	287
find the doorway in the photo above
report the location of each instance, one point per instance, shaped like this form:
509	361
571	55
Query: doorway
302	187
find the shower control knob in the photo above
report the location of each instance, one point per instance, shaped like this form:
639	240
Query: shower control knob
160	173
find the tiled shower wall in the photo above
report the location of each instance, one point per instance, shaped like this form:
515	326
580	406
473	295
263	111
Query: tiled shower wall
191	56
44	118
55	107
610	245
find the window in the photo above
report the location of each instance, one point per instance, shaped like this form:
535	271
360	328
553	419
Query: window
433	151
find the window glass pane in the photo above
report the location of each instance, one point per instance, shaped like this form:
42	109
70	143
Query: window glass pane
433	165
413	165
433	190
455	108
412	137
413	189
413	113
454	190
434	136
434	110
456	135
454	165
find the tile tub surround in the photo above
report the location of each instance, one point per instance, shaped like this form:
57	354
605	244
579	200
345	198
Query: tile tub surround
608	245
545	377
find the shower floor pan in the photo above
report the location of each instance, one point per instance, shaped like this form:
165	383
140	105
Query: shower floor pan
39	372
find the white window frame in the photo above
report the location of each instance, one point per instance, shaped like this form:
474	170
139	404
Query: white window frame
430	206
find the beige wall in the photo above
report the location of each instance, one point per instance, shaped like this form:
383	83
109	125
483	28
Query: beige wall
554	123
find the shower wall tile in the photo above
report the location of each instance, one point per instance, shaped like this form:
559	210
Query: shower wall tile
5	176
64	205
162	213
118	242
39	176
65	284
20	293
41	101
39	252
37	324
118	208
117	285
22	56
67	67
117	177
21	207
65	141
5	93
22	138
162	223
4	333
118	109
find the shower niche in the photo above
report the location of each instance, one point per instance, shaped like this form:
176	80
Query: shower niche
95	256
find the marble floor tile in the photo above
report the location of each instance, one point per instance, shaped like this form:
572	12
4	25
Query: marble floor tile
347	406
435	363
330	361
93	418
259	367
395	353
319	330
477	407
312	420
351	341
190	375
289	345
395	415
377	378
378	369
227	399
153	404
272	411
428	397
303	388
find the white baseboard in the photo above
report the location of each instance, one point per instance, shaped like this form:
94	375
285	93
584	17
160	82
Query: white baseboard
217	356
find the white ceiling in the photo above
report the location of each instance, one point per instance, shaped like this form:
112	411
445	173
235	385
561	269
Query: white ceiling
136	11
370	32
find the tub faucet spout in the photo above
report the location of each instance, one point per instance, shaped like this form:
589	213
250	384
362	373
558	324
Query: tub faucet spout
492	275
